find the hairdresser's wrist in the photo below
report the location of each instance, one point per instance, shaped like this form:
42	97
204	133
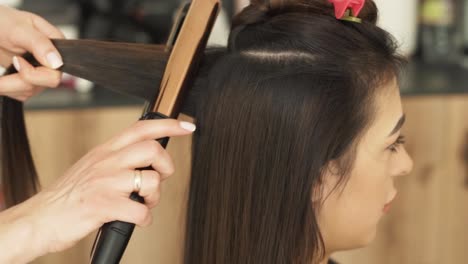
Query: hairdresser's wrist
19	239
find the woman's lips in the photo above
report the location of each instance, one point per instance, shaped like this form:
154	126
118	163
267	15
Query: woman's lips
387	206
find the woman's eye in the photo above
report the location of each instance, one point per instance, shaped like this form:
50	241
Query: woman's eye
400	141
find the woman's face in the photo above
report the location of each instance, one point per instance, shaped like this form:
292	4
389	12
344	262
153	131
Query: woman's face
348	219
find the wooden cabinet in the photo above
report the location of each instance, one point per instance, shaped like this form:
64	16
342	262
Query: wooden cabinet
428	223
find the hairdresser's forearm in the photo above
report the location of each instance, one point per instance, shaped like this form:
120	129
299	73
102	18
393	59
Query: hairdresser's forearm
19	241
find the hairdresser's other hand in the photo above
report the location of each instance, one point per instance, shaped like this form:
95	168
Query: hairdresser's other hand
22	32
96	189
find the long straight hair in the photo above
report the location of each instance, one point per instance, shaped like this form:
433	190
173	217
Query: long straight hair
294	91
102	62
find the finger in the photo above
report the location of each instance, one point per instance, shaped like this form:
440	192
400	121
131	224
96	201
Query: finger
150	187
46	28
149	129
140	155
39	45
37	76
5	58
124	182
25	94
129	211
20	98
37	90
13	83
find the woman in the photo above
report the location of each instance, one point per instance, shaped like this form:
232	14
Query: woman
298	141
96	189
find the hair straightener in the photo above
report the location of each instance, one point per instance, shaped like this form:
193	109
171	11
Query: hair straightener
187	42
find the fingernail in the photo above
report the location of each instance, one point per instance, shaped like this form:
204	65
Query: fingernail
16	63
188	126
54	60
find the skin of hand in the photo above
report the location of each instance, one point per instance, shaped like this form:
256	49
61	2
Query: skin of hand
94	191
22	32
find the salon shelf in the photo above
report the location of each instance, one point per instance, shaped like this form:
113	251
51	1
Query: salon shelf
434	79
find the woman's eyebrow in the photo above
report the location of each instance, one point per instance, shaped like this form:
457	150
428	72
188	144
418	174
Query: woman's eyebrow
398	125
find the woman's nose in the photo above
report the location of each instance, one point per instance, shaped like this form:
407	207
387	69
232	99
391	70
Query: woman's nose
404	164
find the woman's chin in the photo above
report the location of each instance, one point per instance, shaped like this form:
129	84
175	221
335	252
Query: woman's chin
369	238
361	240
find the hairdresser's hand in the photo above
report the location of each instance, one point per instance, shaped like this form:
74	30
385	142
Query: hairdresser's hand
96	189
22	32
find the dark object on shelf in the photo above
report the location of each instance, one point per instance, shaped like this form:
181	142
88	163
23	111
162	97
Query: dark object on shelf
144	21
441	31
421	78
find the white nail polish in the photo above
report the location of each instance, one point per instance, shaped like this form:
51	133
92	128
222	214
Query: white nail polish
54	60
16	63
187	126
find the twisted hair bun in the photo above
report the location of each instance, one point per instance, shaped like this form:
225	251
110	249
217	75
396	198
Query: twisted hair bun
261	11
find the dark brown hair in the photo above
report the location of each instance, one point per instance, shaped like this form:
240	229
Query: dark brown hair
19	177
102	62
293	91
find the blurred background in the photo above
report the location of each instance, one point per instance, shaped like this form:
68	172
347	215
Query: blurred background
429	221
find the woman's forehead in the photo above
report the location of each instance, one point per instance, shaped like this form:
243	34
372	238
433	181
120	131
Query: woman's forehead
388	112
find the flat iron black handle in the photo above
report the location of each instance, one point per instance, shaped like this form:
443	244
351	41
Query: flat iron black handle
113	237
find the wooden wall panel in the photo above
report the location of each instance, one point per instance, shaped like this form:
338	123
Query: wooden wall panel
454	243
